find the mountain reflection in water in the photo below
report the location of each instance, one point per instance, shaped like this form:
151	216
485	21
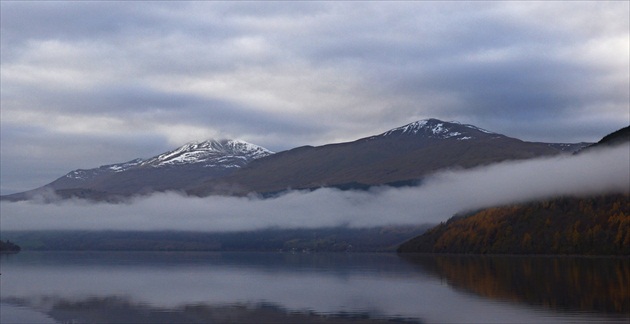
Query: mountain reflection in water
119	309
154	287
589	284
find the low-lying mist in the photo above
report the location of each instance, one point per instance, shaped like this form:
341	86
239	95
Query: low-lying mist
440	196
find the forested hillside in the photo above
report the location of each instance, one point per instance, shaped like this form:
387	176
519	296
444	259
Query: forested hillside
592	226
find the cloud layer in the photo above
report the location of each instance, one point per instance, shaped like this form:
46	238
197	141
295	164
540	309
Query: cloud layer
90	83
439	198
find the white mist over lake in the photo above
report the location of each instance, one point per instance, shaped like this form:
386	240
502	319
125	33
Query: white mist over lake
441	195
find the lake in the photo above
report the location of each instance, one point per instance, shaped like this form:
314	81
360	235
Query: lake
184	287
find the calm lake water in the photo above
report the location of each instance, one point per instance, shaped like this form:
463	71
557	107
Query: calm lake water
136	287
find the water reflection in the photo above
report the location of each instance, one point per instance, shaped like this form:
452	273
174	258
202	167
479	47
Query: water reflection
311	288
561	283
121	309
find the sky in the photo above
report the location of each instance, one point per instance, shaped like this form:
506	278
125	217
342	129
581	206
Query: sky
85	84
440	197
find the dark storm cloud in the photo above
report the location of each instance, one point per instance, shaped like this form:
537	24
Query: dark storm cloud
283	75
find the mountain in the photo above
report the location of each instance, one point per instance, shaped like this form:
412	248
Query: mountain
189	164
559	225
615	138
225	154
399	156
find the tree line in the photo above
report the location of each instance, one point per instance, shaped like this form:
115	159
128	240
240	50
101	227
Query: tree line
591	226
9	247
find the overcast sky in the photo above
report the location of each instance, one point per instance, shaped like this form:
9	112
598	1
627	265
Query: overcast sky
90	83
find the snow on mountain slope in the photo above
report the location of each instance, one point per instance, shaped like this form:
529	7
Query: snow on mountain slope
223	153
85	174
399	155
437	129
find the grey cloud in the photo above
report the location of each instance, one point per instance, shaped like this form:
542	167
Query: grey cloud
439	198
39	156
270	10
82	20
546	96
533	82
537	71
227	115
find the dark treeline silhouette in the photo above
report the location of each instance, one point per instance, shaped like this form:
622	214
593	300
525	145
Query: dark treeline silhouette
9	247
334	239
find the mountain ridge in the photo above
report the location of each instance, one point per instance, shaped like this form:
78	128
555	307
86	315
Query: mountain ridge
167	171
403	154
435	128
211	153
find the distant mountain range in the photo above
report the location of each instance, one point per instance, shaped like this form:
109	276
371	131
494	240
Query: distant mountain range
400	156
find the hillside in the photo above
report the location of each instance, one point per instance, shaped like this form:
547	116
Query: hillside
402	154
592	226
612	139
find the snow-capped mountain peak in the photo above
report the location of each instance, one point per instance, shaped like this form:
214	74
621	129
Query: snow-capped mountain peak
221	155
437	129
211	153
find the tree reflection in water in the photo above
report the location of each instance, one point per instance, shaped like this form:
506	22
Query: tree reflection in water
589	284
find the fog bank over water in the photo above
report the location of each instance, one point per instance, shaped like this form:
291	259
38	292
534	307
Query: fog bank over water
441	196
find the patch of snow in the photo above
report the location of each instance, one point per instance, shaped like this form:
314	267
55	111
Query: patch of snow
438	129
211	153
77	174
479	129
433	128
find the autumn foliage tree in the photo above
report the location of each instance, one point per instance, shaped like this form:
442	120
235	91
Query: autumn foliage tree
593	226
